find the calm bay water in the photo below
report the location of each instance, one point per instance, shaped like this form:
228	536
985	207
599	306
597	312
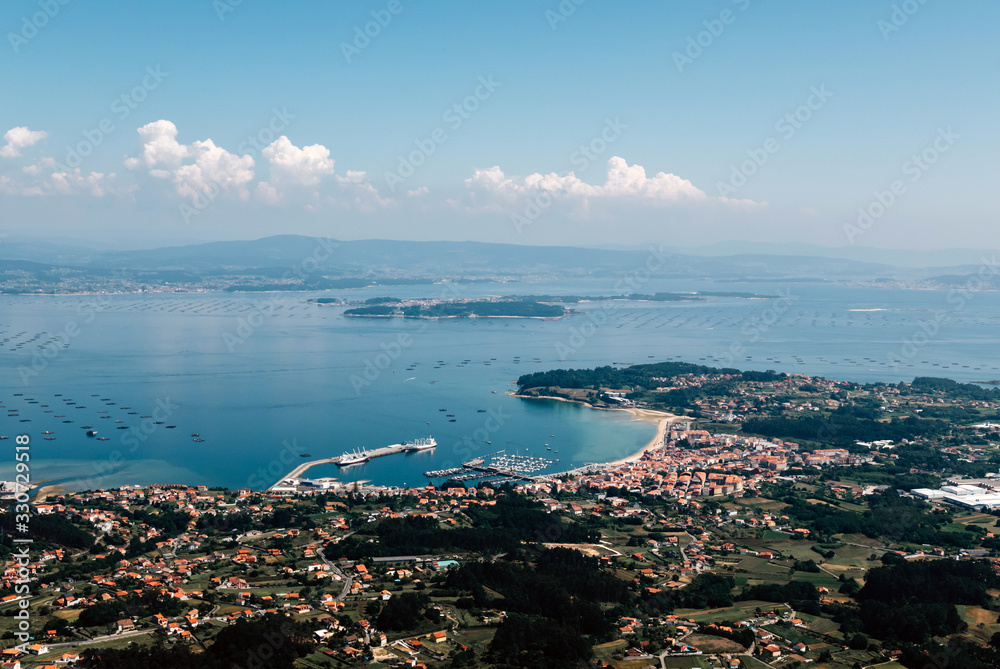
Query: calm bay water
265	378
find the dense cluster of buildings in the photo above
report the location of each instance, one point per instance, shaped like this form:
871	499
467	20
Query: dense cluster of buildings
717	465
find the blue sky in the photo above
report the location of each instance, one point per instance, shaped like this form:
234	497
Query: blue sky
672	99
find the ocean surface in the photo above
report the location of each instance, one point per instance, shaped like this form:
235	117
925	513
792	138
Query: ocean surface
264	379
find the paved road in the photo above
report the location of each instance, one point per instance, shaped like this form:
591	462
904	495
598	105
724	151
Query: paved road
665	654
606	545
348	580
100	639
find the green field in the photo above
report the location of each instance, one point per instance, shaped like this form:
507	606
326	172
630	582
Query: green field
818	624
759	570
475	635
821	578
849	658
792	634
686	663
606	650
738	611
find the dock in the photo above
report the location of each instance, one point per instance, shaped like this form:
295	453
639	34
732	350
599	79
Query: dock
299	472
504	467
493	471
513	466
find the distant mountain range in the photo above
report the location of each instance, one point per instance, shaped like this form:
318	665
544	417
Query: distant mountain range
278	255
894	257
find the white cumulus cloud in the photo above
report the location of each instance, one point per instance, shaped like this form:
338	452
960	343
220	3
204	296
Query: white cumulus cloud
43	180
294	169
622	180
19	138
625	179
197	169
306	165
297	174
97	184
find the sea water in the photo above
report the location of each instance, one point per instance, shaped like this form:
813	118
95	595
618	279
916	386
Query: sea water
265	379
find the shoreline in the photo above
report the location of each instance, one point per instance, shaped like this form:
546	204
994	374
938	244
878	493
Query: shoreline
45	490
443	318
661	418
655	443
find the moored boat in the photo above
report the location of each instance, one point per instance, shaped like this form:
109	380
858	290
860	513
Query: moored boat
419	444
348	459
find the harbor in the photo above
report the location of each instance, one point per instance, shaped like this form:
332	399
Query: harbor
292	481
498	466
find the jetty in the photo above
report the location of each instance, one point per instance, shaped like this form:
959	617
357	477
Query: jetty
292	478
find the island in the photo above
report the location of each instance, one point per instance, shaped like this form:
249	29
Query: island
479	308
509	306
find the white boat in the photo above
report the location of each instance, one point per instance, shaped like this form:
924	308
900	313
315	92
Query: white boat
419	444
348	459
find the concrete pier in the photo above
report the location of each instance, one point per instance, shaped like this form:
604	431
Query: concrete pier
299	472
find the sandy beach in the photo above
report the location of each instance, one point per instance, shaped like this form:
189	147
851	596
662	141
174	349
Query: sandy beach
48	490
662	418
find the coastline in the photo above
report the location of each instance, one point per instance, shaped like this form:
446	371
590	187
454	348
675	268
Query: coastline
661	418
44	491
656	441
443	318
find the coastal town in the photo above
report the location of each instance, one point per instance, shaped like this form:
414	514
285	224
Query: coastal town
710	548
426	335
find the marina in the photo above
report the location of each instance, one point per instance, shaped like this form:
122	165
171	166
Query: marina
499	464
497	467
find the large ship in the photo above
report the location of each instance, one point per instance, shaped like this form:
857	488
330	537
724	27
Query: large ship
419	444
348	459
